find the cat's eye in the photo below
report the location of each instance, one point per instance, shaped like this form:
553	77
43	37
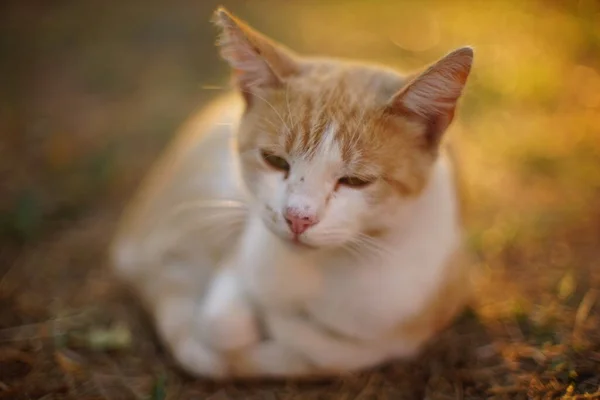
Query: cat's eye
354	182
275	161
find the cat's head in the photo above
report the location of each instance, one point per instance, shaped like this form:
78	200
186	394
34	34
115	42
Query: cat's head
331	149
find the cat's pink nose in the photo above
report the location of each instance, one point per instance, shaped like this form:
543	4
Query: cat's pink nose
298	221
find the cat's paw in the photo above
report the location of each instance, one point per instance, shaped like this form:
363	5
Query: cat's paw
173	321
269	359
198	359
227	330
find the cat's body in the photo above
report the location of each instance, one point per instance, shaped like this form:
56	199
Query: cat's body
255	266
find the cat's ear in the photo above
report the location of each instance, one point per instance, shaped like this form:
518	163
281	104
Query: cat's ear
433	94
256	60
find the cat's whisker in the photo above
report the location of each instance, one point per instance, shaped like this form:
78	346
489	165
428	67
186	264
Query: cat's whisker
221	210
370	245
318	121
352	251
354	246
273	108
224	229
267	120
371	242
232	206
366	253
356	132
360	253
207	220
225	215
287	102
221	204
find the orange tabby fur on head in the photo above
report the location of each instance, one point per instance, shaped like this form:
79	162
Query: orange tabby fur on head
316	205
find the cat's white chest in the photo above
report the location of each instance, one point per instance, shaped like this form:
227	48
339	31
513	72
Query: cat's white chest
358	302
367	301
362	301
273	274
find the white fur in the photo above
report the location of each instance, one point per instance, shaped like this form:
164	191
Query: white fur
225	319
323	308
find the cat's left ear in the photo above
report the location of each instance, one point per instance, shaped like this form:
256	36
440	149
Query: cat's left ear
432	96
257	61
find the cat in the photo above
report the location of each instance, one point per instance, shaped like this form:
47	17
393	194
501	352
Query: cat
306	224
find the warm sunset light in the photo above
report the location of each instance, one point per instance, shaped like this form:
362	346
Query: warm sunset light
93	92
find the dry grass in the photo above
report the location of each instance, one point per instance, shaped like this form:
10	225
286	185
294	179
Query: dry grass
93	90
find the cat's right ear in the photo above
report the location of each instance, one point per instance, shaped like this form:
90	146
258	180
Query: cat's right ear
257	61
432	96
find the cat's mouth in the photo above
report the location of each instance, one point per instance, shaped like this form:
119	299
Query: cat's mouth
297	241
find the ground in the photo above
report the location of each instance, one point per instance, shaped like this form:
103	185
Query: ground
92	91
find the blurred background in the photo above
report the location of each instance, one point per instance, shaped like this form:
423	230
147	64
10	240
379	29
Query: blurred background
92	91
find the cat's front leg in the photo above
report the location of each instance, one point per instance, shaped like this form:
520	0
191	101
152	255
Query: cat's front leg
174	316
200	313
226	319
269	359
300	348
327	350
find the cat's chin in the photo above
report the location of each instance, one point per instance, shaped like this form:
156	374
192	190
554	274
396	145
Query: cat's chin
297	243
305	244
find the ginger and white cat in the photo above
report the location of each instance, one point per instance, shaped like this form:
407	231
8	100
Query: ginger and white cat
307	224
